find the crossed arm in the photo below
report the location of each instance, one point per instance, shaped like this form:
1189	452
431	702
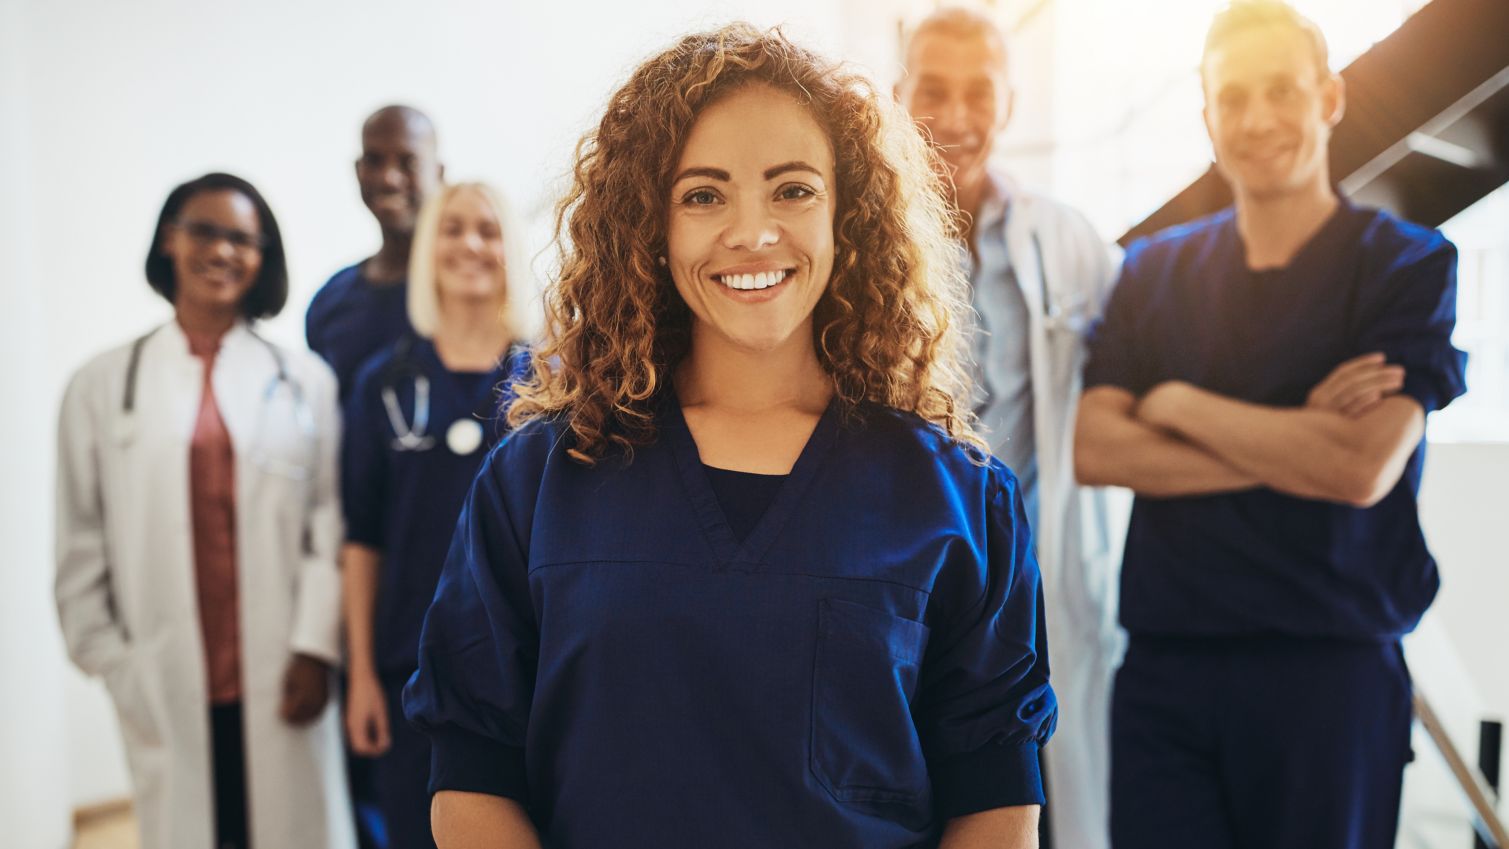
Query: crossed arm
1348	444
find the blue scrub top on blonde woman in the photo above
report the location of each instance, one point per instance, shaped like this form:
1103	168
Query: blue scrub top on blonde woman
404	503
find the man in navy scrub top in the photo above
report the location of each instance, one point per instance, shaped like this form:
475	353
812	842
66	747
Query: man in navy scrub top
744	576
363	307
1261	380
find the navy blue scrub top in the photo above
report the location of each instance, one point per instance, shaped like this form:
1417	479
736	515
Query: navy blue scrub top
1188	308
350	319
403	503
742	496
867	663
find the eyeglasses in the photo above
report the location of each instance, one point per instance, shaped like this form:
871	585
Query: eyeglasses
206	234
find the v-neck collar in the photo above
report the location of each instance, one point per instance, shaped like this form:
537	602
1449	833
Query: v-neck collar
1319	243
477	402
704	500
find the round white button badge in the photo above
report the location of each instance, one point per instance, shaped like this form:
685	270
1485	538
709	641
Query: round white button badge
464	436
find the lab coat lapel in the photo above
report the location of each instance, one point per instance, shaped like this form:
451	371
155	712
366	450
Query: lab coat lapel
239	382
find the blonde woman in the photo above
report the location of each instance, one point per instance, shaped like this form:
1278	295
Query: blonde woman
422	415
743	576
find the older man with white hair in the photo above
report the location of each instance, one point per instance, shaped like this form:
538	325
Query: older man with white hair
1040	275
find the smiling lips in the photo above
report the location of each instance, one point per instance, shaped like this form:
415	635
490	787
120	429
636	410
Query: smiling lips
757	280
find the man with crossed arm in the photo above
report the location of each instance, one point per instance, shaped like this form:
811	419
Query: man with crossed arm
1261	380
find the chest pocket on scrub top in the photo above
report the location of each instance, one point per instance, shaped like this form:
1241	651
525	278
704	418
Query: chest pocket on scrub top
864	744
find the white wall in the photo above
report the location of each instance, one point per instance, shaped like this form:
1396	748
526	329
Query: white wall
33	776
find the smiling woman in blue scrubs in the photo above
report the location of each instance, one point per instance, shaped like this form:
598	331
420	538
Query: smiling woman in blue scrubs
743	576
421	417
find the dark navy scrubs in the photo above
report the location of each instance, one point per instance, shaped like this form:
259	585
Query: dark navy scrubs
866	663
1264	700
351	318
404	504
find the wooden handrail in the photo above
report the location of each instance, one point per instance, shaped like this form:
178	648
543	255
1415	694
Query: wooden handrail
1479	795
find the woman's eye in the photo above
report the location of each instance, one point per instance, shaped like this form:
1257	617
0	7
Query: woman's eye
700	197
795	191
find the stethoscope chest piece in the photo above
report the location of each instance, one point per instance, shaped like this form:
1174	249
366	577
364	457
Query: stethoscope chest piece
463	436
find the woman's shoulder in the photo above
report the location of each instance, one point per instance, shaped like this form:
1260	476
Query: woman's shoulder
532	445
110	365
302	364
908	440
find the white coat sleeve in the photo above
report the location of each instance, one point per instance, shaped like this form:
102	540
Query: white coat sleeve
83	588
317	609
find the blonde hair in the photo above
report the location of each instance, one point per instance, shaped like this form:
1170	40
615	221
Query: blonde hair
424	298
1244	15
886	329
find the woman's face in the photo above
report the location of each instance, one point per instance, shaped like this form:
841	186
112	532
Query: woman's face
215	245
750	230
469	258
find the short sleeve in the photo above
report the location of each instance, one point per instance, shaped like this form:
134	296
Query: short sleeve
1115	355
364	458
985	707
478	653
313	336
1410	315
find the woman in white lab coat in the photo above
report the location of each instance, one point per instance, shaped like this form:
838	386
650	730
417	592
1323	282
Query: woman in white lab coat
197	529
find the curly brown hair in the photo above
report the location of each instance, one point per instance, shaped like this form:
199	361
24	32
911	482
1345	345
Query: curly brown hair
886	328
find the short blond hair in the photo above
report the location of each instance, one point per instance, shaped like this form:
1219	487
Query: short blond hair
424	299
1244	15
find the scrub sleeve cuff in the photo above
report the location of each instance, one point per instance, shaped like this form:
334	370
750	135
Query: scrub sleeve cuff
363	533
998	776
461	760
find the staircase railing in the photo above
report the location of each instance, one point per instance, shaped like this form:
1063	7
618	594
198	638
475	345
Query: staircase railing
1480	796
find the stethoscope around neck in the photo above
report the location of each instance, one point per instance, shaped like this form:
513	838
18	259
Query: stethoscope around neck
260	452
463	437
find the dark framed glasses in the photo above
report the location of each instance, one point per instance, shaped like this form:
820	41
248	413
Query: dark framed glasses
206	234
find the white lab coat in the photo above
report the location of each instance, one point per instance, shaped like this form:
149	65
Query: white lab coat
126	583
1054	250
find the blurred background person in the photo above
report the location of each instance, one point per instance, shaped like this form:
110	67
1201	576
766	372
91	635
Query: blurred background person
1039	275
197	526
1261	380
423	414
364	307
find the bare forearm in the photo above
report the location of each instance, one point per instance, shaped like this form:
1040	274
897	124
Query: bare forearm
359	572
1301	451
1112	448
480	821
998	828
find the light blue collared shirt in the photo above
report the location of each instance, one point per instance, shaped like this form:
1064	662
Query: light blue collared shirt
1003	394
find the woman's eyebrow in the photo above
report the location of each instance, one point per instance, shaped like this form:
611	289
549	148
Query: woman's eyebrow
710	173
785	167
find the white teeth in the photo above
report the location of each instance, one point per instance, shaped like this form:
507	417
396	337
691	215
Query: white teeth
763	280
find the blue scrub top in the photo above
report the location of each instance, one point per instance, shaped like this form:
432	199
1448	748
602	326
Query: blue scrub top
866	663
1262	562
350	319
404	503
